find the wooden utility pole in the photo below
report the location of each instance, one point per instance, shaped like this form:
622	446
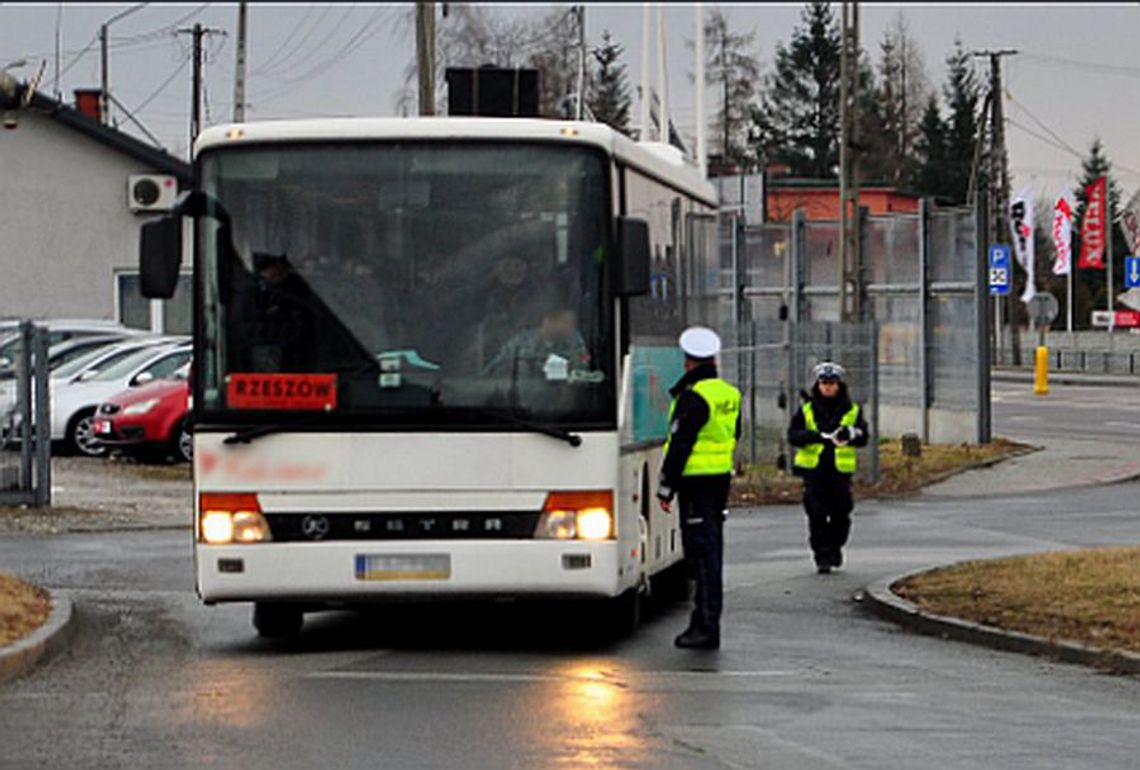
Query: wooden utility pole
240	68
197	33
850	242
425	55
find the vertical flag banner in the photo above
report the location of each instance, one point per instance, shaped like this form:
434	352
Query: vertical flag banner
1130	221
1063	234
1093	227
1021	229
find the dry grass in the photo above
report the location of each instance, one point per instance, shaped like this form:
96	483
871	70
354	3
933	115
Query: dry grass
899	475
1089	596
23	608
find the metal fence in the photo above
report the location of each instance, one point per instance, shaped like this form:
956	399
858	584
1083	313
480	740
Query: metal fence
25	454
918	356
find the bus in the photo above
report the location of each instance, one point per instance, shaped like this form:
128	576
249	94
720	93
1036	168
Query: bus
432	359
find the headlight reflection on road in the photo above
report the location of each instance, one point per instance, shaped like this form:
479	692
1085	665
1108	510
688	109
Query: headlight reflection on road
600	717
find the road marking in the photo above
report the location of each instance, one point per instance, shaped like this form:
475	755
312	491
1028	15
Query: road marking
1025	417
1129	425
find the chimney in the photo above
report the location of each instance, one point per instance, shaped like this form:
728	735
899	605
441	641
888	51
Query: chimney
87	101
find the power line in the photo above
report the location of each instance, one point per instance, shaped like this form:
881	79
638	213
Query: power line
1112	69
289	38
165	84
1041	123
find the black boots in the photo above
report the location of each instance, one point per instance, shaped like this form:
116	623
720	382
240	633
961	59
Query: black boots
695	639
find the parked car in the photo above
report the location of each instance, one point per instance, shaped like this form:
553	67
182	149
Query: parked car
59	354
73	404
59	330
149	419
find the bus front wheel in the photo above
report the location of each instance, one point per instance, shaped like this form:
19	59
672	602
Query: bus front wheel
275	621
624	613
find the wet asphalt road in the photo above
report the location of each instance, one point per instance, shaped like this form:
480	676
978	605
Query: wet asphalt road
806	679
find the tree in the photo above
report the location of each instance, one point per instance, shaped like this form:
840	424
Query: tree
1090	287
798	121
733	71
962	92
610	97
929	177
902	97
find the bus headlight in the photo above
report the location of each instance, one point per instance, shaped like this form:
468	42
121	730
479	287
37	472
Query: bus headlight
576	516
226	519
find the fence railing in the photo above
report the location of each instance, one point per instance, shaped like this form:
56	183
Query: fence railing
25	422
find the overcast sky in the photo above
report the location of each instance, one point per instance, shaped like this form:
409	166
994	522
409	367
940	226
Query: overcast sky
1077	74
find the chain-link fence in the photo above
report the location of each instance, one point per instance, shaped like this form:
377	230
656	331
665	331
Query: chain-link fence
25	454
917	358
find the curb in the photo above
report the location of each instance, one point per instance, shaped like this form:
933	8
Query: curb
47	640
882	601
1069	378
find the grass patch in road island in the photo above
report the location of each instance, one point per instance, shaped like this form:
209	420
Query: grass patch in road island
23	608
1088	596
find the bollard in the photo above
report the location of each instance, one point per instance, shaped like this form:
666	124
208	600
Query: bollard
1041	372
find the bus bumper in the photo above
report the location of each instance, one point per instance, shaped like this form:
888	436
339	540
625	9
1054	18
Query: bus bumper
362	571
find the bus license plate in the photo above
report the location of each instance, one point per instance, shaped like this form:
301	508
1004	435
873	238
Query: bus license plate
433	566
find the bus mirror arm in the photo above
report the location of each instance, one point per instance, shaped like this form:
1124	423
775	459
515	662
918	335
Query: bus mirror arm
632	269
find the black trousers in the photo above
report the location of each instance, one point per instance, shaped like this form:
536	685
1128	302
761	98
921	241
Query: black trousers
828	503
702	503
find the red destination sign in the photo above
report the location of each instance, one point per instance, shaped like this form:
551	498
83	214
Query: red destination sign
281	391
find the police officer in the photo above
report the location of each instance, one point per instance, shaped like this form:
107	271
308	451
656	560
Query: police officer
827	429
704	424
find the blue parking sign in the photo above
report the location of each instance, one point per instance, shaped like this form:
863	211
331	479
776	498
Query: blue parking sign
1001	276
1131	272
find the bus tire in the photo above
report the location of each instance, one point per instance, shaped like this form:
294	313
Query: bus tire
672	584
276	621
623	613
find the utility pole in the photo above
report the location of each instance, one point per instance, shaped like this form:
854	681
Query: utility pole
850	242
239	69
197	32
425	55
581	61
105	63
998	180
699	55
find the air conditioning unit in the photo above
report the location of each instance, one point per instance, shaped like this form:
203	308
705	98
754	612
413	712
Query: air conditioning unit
151	192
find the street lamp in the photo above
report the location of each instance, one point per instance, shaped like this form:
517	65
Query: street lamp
104	87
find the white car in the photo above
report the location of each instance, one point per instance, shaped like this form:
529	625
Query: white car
59	329
73	403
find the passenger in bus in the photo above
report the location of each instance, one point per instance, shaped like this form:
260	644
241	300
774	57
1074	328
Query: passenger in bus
704	425
551	350
827	429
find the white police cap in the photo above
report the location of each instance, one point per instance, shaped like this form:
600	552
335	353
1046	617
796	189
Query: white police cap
699	342
828	370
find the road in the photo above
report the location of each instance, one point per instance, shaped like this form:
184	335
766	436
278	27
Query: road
1109	414
806	678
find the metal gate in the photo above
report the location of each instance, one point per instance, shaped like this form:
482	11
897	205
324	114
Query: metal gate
25	421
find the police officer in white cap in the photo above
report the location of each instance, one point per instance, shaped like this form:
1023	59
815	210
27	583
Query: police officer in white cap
826	431
704	424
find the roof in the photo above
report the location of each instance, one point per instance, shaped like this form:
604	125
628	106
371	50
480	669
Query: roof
151	157
662	161
826	184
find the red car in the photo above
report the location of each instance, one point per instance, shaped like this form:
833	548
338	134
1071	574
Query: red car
148	419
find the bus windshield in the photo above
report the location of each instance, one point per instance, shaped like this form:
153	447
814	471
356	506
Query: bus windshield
432	283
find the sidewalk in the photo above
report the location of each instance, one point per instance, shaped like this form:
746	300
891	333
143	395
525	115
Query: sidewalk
1059	463
1024	374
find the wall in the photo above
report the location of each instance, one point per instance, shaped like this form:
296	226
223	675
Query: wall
64	222
822	203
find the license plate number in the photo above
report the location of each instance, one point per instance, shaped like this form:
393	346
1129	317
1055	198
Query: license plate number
103	426
433	566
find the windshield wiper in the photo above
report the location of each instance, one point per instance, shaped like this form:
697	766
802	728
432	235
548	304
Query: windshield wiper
247	435
573	439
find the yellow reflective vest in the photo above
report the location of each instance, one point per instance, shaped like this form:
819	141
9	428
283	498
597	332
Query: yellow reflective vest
716	441
807	457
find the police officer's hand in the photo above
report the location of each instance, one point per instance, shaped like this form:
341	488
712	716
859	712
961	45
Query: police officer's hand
666	505
842	436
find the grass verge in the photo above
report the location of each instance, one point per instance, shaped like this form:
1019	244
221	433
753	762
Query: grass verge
23	608
899	474
1088	596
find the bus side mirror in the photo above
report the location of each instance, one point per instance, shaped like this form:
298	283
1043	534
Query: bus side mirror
632	279
160	257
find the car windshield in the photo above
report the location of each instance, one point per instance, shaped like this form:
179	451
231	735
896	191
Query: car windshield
429	281
94	360
126	366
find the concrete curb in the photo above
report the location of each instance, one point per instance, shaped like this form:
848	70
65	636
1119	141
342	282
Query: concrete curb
47	640
1068	378
882	601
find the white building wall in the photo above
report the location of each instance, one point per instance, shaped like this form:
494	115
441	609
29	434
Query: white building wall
65	227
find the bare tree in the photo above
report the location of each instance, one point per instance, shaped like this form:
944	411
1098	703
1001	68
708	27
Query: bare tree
904	91
732	70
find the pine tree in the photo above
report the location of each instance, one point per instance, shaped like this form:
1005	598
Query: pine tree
798	121
930	178
1091	286
731	71
610	96
962	92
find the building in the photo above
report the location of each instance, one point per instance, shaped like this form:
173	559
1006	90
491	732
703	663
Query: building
74	194
819	198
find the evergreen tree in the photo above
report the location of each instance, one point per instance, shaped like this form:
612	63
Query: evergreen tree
610	97
1090	287
962	92
798	121
731	71
930	177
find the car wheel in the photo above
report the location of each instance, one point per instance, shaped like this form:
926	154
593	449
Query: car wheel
184	442
276	621
81	436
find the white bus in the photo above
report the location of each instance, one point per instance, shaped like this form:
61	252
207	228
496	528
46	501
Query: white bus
432	358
